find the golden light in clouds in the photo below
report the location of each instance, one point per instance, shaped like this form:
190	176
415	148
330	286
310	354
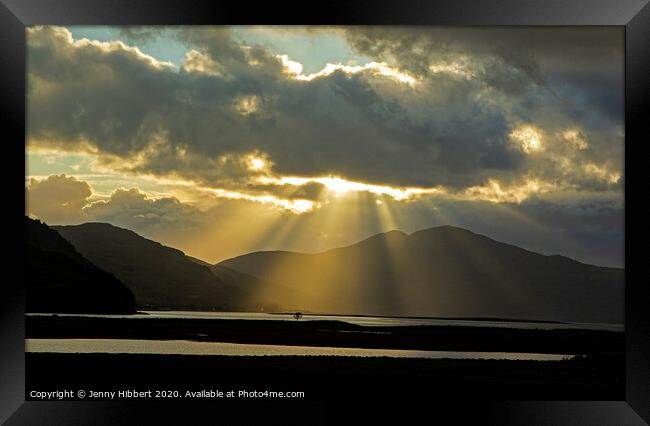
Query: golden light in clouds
295	206
257	163
602	173
246	105
291	67
497	192
528	138
458	67
197	62
260	167
575	138
492	191
294	69
341	186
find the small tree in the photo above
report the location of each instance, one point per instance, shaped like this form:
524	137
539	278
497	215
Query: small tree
297	316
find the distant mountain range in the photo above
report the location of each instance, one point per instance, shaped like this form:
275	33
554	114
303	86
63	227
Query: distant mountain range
60	279
437	272
444	271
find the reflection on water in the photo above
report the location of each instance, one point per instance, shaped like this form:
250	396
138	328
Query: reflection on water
186	347
359	320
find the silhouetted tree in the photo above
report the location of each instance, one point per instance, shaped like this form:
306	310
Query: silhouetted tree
297	316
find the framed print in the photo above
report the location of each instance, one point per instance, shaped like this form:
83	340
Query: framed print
424	204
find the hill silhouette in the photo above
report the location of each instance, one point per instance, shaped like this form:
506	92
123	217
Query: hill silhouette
437	272
160	277
60	279
443	271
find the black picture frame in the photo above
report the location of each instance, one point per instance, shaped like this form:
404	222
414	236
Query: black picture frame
634	15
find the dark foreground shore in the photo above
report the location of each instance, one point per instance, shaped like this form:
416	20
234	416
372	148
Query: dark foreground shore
325	378
597	373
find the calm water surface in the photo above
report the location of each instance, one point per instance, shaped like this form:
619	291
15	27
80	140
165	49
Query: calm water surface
187	347
359	320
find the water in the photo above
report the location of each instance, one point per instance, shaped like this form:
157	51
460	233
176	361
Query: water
359	320
187	347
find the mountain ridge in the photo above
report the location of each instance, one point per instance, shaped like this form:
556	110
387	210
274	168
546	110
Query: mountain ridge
451	265
161	277
60	279
405	234
435	272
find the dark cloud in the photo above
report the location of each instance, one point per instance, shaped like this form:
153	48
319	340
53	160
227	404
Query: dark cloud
237	99
569	63
536	51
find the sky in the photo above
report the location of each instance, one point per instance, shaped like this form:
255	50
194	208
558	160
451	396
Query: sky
220	141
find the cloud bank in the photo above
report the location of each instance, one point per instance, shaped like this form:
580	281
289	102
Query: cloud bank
467	118
443	125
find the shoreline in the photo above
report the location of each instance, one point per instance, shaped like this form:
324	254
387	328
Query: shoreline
331	334
596	372
478	319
